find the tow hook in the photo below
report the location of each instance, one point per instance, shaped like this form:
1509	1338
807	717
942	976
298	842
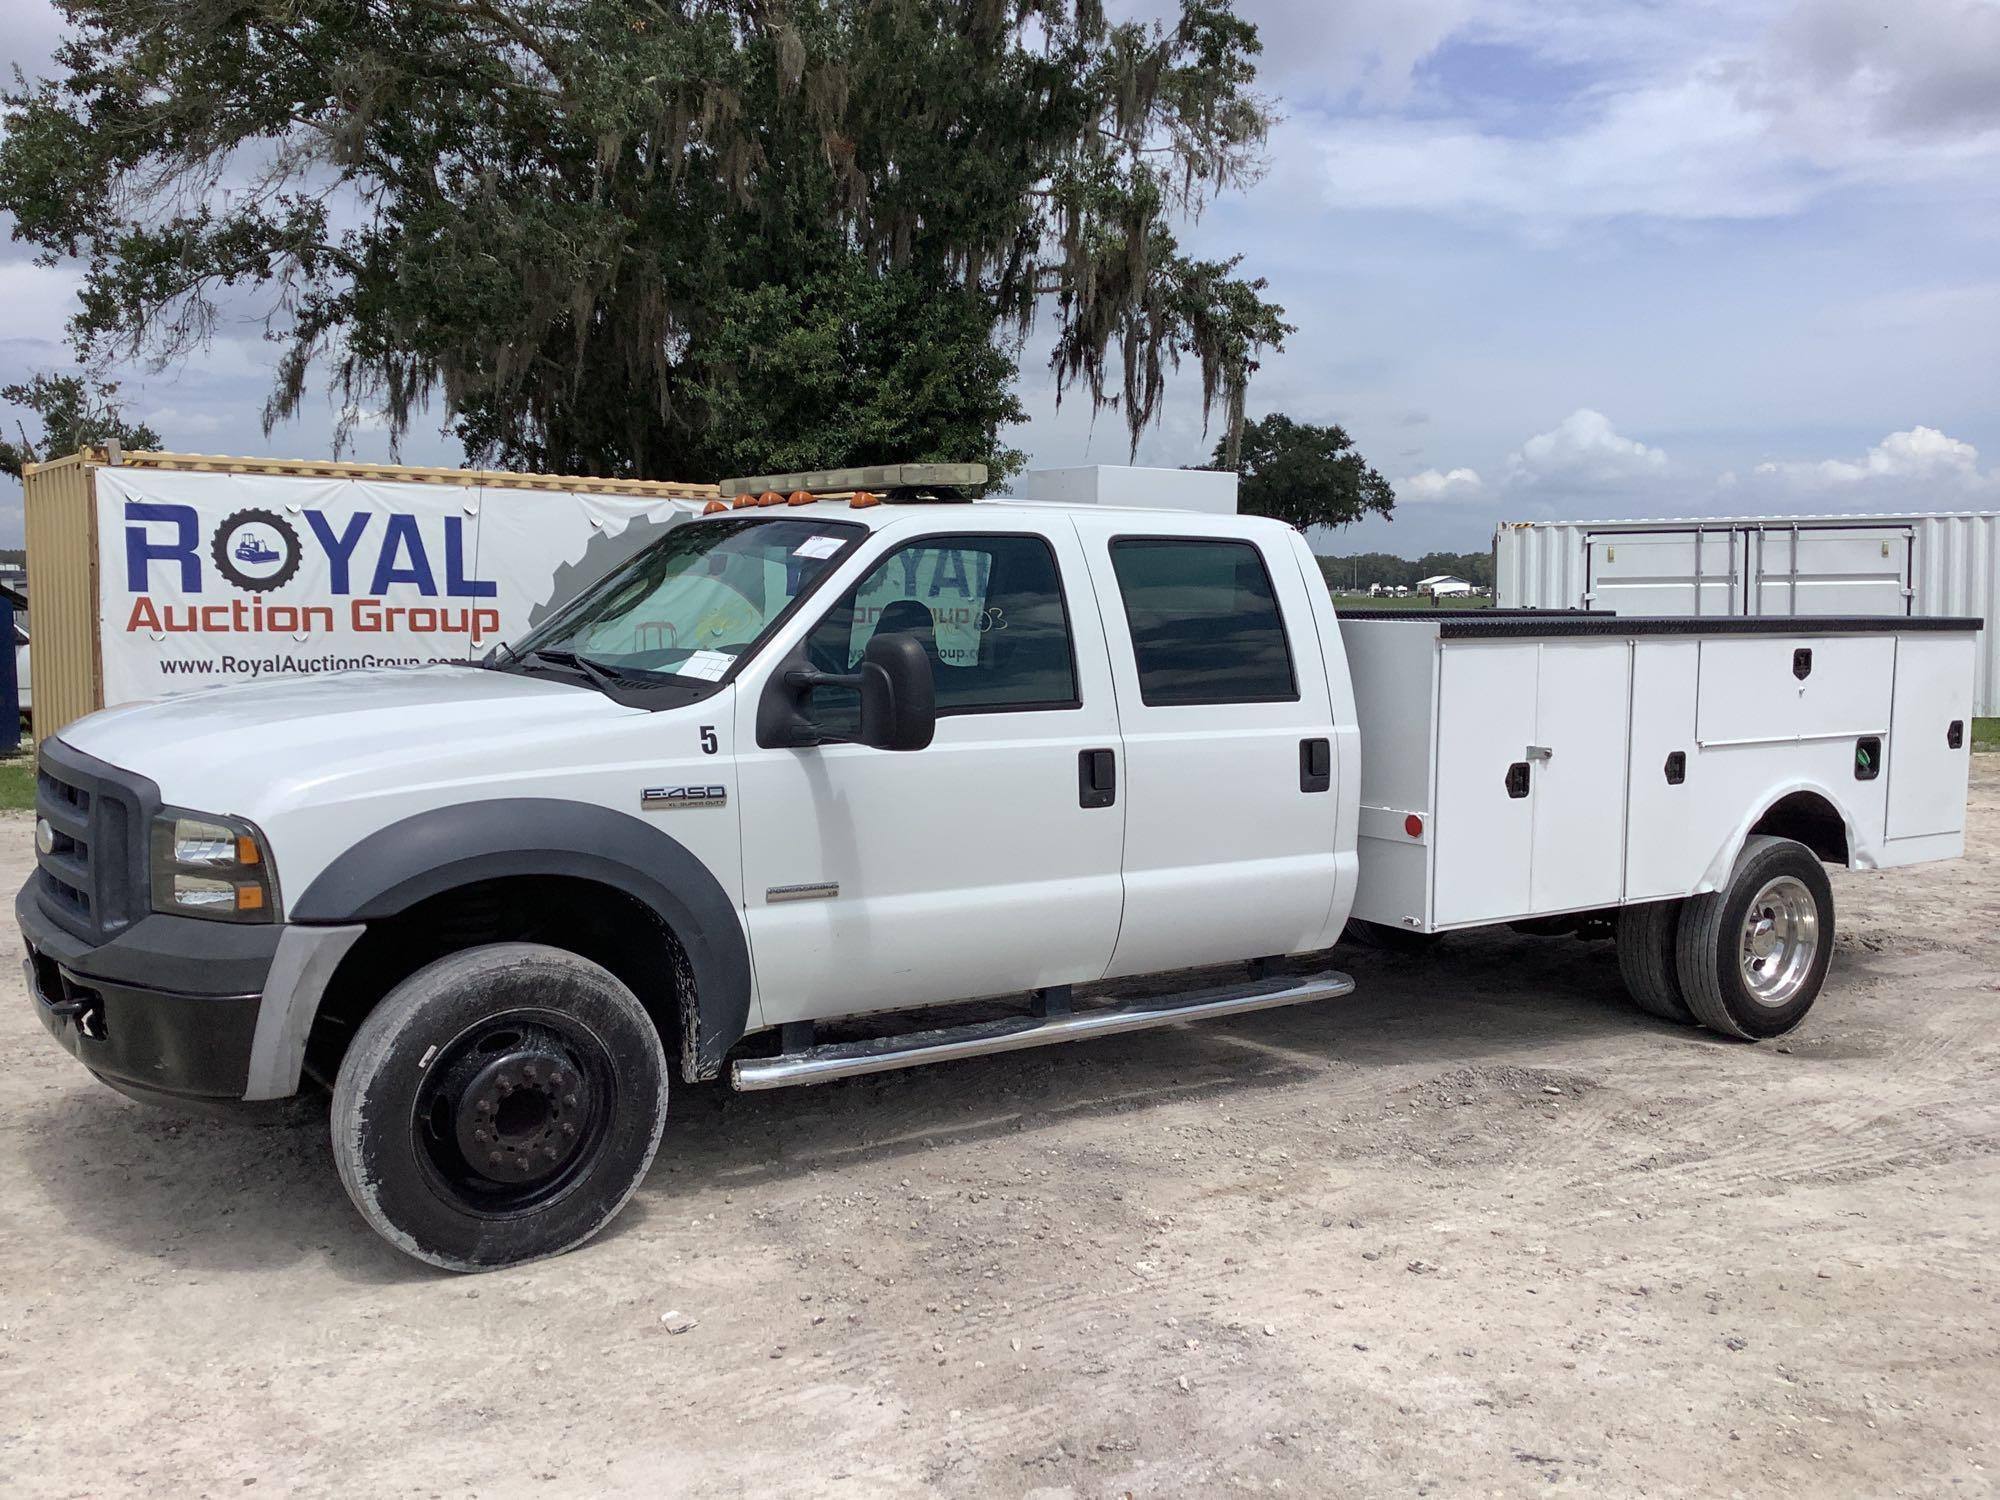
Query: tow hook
84	1013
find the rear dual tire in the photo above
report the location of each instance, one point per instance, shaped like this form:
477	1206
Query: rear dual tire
1747	961
499	1106
1648	948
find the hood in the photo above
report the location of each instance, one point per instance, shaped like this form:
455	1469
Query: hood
228	749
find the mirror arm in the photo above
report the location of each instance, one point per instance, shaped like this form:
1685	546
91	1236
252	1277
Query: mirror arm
801	679
803	733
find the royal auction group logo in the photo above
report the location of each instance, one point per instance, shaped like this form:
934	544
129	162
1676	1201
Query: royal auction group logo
256	550
372	572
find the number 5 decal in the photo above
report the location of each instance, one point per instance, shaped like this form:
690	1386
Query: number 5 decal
708	745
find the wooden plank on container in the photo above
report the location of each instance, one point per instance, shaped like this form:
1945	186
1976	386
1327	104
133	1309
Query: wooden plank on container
209	463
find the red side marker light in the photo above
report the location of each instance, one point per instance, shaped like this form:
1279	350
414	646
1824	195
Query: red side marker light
1413	826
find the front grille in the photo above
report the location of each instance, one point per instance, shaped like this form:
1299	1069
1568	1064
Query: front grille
92	877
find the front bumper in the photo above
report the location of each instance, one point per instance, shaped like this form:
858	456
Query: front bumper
167	1007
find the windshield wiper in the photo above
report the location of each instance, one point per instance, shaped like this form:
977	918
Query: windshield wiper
602	675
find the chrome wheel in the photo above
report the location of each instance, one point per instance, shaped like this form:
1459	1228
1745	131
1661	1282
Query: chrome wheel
1780	941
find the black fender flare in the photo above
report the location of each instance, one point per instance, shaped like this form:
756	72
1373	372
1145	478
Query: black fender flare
430	853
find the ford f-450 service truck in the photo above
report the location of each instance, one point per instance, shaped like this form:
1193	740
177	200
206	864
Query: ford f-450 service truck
818	757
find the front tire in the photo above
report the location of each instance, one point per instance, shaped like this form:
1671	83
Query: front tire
1753	956
499	1106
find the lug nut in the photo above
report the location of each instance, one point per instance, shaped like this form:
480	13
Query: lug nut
556	1078
486	1105
549	1152
570	1100
479	1136
569	1127
528	1071
493	1158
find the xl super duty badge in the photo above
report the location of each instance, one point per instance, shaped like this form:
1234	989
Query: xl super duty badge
663	798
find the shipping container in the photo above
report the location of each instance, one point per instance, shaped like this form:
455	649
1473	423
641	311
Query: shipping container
66	556
1933	563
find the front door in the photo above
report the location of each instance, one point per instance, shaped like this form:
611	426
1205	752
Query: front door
875	879
1231	810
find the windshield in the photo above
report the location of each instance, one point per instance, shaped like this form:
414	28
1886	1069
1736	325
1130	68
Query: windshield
696	600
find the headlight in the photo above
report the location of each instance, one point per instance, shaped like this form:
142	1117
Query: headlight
209	866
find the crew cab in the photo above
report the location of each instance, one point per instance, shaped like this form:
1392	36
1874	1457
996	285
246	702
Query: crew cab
849	746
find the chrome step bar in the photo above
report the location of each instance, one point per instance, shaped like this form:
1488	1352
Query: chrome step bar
1013	1033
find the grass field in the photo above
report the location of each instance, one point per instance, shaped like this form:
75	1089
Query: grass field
1986	734
17	778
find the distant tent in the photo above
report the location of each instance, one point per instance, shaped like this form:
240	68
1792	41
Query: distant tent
1443	585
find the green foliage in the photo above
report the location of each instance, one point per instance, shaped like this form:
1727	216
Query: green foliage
76	412
1304	475
673	238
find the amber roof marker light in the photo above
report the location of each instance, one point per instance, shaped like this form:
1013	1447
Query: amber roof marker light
894	484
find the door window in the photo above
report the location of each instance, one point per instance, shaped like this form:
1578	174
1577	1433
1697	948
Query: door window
988	611
1204	621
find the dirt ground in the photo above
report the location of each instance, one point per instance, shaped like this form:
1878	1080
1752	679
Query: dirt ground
1481	1229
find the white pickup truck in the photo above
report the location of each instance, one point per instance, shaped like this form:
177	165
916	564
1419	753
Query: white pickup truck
817	757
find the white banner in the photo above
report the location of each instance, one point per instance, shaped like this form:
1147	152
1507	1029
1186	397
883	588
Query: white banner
212	578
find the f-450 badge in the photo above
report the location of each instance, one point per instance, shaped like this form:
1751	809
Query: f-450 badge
665	798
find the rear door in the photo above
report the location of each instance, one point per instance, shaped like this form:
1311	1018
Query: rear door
1227	724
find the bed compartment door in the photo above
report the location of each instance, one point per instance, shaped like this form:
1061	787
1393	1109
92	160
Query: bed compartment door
1667	842
1927	774
1484	835
1583	696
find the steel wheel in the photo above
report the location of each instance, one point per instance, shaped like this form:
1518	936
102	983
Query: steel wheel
1750	958
514	1110
498	1106
1780	941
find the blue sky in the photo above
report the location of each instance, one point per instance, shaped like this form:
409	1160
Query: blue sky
1546	258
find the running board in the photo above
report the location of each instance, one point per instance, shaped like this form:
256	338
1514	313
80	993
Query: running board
1013	1033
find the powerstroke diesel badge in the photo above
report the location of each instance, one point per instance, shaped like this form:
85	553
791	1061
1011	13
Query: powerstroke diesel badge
662	798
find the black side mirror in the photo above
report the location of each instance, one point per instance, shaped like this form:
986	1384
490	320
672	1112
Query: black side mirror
898	694
898	698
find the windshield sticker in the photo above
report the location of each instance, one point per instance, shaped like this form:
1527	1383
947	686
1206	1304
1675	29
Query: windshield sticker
818	546
707	665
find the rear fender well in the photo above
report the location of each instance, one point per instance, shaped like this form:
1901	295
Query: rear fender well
1801	810
447	848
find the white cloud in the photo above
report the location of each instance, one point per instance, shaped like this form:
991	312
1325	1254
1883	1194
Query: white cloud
1921	455
1685	150
1701	119
1439	484
1921	67
1581	451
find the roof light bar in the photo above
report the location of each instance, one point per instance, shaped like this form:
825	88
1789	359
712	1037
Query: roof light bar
876	477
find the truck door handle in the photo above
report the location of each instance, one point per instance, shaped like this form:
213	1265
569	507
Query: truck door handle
1096	778
1315	765
1517	779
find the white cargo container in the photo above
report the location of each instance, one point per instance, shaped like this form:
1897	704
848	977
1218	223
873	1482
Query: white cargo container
1941	563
